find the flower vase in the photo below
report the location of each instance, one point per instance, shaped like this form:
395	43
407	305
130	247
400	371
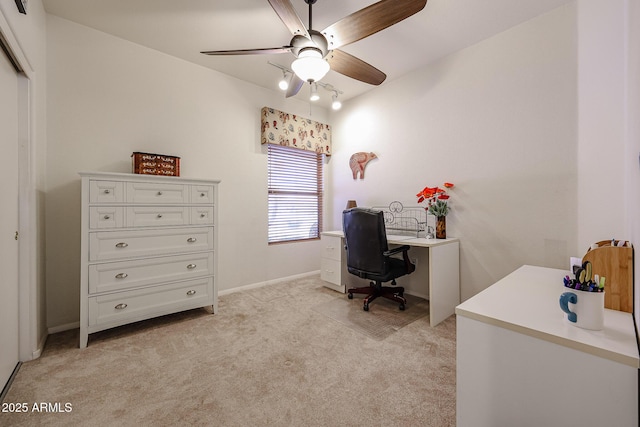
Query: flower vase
441	227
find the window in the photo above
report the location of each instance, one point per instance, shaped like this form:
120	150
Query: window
295	194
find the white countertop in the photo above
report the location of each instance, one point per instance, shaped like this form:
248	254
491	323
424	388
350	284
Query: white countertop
526	301
396	239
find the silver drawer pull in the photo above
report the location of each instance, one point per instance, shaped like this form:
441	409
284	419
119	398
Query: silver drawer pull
202	215
107	217
191	266
122	276
202	194
159	215
107	191
192	240
121	306
159	193
121	245
191	292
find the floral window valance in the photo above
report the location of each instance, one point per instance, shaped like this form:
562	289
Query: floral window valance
294	131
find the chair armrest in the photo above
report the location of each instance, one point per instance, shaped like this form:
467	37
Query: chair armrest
397	250
407	262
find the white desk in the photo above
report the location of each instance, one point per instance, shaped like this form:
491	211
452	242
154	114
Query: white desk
519	362
438	264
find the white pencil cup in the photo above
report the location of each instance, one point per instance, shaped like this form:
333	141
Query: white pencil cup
583	309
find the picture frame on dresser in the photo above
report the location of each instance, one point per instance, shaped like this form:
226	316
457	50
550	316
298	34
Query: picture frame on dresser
148	248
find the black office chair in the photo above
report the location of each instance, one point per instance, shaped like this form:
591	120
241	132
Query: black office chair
369	257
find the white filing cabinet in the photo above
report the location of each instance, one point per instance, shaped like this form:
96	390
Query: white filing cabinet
331	263
148	248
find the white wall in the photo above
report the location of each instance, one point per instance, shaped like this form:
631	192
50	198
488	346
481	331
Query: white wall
608	126
632	153
601	118
498	119
107	98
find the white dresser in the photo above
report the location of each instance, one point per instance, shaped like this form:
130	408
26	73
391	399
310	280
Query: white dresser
148	248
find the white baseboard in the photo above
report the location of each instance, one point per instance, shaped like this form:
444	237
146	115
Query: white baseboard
38	352
268	282
62	328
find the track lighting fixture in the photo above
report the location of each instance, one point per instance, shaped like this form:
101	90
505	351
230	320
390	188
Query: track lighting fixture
288	76
336	104
284	83
314	92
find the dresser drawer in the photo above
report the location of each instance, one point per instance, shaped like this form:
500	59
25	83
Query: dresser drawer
202	194
330	271
332	247
119	245
157	193
129	306
106	191
113	276
151	216
201	215
106	217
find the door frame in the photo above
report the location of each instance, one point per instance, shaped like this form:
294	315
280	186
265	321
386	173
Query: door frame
29	345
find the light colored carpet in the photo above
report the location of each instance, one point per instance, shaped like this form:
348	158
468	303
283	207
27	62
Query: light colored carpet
267	358
383	318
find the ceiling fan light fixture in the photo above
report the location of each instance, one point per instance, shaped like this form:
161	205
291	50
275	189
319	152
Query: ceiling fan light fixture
310	66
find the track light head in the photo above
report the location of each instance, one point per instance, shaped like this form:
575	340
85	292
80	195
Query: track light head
314	92
284	83
336	104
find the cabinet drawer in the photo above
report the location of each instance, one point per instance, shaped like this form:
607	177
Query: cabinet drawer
106	217
115	276
150	216
332	247
157	193
330	271
117	245
106	191
202	194
130	306
201	215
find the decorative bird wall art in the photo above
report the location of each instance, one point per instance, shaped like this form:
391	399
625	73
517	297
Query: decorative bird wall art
358	162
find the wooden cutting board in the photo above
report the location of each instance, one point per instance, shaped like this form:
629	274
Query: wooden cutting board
616	265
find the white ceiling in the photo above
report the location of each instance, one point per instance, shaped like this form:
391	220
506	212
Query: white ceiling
183	28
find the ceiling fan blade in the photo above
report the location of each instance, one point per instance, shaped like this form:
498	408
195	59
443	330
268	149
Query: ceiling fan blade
289	17
370	20
294	85
269	50
350	66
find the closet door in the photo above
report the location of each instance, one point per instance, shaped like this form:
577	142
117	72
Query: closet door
8	219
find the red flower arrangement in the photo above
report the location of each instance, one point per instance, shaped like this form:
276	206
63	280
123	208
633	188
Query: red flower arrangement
431	194
436	198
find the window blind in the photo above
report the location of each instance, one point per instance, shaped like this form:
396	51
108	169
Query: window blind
295	194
